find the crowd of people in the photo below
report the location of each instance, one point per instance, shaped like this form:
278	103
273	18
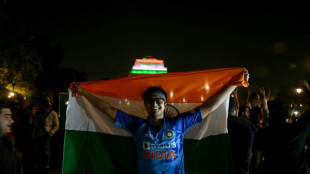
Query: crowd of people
261	139
25	136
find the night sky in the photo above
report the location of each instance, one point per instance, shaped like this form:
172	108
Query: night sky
104	39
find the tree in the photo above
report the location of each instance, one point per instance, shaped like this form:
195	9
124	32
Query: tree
30	58
19	60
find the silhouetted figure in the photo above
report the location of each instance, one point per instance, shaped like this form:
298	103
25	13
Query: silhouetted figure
241	135
281	144
256	117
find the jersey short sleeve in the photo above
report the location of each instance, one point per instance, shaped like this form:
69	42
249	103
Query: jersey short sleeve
190	118
128	122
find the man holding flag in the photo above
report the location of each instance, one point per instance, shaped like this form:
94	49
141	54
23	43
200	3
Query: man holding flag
159	139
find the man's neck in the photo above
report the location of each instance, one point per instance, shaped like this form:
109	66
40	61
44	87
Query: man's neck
158	122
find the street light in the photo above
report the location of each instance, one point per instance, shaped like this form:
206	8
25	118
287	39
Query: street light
11	94
296	113
298	90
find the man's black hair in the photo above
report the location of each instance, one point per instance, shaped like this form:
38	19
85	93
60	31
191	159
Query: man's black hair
278	111
45	101
253	114
4	106
152	90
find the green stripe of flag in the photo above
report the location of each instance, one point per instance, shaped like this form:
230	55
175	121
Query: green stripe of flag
211	155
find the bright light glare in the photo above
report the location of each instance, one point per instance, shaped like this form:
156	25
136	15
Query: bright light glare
295	112
298	90
67	102
11	94
171	94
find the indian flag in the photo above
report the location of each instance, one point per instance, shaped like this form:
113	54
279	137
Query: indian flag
93	144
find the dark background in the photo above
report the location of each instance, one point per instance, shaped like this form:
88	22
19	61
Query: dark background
103	38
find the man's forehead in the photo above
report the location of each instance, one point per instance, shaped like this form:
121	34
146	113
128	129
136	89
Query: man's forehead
6	111
155	97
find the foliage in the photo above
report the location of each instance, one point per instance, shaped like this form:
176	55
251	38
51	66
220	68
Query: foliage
29	58
19	60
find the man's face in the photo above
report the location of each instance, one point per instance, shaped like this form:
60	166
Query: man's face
155	107
6	121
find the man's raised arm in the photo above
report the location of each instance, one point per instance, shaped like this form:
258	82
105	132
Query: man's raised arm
216	100
100	104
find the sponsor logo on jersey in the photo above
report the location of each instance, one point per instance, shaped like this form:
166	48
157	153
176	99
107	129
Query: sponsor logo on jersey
148	145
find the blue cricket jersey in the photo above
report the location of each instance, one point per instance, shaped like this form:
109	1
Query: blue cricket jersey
159	150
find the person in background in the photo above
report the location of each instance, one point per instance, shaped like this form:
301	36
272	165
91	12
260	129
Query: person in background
281	144
256	117
9	161
45	125
241	135
259	98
